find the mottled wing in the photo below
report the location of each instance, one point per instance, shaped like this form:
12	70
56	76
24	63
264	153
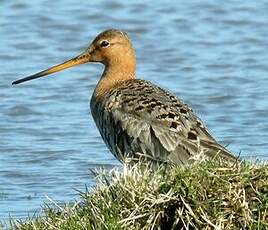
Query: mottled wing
148	120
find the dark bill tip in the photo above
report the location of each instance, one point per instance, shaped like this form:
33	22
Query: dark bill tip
40	74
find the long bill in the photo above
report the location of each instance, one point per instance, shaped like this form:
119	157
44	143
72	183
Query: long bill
83	58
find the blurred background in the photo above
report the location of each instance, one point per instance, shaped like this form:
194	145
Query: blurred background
211	54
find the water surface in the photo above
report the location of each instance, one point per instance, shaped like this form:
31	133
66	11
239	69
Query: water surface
213	55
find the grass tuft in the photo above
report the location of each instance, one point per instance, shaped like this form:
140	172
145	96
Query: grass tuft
209	195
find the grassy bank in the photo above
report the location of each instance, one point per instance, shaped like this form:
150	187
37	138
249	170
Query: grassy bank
204	196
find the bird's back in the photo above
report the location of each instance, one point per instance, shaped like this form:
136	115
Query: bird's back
138	118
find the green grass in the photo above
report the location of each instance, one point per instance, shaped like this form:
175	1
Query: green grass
209	195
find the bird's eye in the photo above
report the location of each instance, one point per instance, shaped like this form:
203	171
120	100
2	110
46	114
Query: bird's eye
104	44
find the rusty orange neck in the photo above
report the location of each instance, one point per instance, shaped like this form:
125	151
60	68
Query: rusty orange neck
118	69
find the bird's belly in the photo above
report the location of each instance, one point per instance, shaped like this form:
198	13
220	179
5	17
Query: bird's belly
117	142
109	131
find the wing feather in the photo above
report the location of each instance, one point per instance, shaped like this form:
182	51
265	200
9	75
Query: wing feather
151	121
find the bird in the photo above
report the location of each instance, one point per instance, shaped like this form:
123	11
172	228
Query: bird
136	118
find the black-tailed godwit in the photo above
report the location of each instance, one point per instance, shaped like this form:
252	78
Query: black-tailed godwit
135	117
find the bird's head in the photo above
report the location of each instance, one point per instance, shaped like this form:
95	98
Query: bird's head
111	47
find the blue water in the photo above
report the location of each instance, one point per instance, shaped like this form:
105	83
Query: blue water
212	54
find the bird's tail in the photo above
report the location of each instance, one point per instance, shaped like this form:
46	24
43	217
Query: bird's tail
215	150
